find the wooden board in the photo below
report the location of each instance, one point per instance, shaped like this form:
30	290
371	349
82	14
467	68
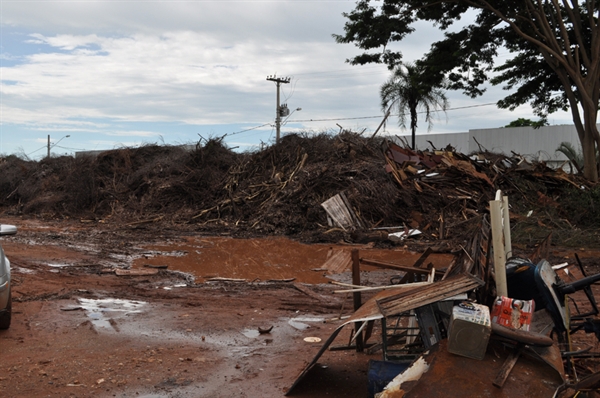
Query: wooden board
136	272
338	262
340	212
437	291
405	268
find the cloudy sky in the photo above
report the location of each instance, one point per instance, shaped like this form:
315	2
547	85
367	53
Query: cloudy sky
112	73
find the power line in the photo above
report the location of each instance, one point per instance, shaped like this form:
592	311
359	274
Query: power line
336	119
31	153
469	106
69	149
353	70
356	118
252	128
379	116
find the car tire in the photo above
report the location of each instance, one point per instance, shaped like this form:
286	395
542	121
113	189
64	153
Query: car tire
6	316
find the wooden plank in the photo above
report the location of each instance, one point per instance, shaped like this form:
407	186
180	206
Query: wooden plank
409	300
507	366
423	257
400	286
156	266
508	253
308	292
338	211
498	243
356	278
357	297
221	279
338	262
136	272
405	268
355	219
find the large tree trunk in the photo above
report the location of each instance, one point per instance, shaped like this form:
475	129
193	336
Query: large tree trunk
589	142
584	109
590	168
559	35
590	139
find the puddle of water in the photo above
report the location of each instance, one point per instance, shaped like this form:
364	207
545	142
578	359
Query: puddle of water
251	333
301	322
174	286
101	311
264	259
22	270
309	319
282	329
298	325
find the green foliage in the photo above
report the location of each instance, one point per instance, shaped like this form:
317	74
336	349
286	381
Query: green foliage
522	122
467	55
408	91
574	156
553	45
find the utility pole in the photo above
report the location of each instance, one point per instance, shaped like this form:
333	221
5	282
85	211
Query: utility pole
52	146
279	109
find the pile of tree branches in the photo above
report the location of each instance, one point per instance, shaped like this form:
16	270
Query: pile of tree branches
279	190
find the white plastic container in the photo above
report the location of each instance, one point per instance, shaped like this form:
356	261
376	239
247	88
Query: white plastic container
469	330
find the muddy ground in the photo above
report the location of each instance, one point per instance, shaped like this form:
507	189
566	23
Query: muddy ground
80	330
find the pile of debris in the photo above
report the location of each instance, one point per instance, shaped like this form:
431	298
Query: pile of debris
482	326
280	190
455	189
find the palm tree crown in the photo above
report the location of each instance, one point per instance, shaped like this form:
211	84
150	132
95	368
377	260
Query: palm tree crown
408	91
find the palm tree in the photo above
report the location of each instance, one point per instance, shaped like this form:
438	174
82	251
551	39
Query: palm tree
574	156
408	91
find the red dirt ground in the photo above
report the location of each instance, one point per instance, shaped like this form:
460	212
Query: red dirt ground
81	331
78	331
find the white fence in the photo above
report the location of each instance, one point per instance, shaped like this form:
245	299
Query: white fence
535	144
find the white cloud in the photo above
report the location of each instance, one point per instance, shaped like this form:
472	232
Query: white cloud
99	67
133	133
64	42
184	76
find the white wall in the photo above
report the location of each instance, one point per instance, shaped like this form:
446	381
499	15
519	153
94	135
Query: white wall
460	141
535	144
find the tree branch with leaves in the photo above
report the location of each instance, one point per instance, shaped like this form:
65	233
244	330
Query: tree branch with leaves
555	47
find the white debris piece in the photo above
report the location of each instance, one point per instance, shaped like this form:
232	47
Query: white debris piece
413	373
400	236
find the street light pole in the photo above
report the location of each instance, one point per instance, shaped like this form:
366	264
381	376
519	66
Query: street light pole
49	146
